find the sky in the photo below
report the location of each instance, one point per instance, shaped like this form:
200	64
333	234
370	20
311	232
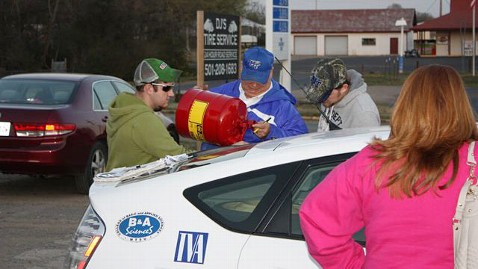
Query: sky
424	6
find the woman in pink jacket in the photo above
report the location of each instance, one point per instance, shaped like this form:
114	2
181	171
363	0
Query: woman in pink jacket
403	190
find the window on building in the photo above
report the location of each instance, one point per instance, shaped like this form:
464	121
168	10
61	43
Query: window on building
368	41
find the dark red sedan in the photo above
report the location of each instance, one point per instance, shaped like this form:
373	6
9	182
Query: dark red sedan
55	124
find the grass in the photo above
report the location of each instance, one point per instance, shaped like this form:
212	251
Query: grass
398	79
387	79
385	113
469	80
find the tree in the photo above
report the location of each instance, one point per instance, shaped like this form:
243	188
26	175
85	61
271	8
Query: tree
421	16
22	30
424	16
100	36
395	6
256	12
52	11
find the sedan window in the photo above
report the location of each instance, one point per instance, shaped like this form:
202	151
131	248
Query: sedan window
284	220
105	93
240	202
236	202
41	92
123	87
313	176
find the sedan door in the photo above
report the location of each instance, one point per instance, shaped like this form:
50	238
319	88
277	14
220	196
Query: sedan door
278	242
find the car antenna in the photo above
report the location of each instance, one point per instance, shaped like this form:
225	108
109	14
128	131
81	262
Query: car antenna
332	125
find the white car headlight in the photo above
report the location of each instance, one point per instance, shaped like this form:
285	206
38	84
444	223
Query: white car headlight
87	237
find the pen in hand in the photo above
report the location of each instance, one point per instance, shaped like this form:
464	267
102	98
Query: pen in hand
257	129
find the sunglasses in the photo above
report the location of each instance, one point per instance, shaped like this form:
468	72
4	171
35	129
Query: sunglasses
164	87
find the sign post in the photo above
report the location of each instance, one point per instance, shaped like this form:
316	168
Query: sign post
402	23
278	36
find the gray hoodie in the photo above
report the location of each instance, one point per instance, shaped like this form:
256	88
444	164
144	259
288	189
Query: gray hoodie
356	109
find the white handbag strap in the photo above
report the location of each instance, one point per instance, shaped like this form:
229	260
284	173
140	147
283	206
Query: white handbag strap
471	162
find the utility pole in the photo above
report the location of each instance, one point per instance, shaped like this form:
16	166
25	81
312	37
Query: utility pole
402	23
441	8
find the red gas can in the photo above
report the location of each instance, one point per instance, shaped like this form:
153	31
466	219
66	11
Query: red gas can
215	118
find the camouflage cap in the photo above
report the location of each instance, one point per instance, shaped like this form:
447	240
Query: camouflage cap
328	74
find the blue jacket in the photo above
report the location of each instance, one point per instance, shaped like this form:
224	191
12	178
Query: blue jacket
277	104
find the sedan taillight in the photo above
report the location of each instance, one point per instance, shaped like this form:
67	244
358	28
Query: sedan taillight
40	130
87	238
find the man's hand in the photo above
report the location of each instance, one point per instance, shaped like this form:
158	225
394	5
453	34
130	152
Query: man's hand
262	129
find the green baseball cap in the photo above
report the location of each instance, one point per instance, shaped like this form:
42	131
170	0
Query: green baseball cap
152	69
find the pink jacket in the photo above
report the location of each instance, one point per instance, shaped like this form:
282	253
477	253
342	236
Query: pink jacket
408	233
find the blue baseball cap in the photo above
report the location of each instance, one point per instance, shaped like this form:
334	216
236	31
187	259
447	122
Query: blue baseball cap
257	65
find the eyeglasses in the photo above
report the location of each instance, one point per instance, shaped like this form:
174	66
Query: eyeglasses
165	88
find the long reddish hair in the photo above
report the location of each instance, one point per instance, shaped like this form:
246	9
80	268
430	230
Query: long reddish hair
431	120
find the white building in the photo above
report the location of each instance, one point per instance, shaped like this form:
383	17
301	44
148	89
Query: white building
351	32
450	34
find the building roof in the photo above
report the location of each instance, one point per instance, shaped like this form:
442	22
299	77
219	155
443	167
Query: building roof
351	21
460	17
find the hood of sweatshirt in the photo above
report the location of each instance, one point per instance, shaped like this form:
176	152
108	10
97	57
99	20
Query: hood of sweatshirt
357	87
124	108
278	92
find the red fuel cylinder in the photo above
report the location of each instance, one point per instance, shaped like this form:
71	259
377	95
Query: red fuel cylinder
215	118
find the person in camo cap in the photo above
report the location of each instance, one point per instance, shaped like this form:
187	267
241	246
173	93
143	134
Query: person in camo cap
135	134
342	96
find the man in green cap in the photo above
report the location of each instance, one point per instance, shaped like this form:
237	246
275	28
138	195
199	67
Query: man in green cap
136	135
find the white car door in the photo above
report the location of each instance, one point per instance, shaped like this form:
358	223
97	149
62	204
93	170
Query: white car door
279	244
270	252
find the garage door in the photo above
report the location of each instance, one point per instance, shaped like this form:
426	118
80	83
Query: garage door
305	45
336	45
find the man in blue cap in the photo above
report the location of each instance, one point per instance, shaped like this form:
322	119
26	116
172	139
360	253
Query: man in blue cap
268	103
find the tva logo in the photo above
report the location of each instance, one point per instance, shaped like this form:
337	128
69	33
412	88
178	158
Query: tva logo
191	247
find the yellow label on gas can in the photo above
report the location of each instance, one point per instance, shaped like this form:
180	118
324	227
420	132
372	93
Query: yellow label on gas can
196	119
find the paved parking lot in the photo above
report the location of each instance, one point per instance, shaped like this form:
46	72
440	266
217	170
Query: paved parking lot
38	216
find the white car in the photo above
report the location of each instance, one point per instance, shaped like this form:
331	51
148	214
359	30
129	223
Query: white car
233	207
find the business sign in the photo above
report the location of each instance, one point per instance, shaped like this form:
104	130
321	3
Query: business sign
280	28
468	48
221	46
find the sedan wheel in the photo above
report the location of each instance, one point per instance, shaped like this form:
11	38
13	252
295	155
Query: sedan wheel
96	164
